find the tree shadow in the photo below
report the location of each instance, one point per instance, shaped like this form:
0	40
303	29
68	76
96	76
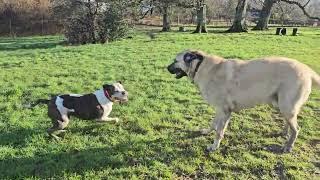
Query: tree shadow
28	43
17	138
48	165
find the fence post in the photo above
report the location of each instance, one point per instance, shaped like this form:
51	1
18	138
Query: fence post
278	31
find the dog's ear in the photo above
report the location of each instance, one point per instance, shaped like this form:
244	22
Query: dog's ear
109	88
119	82
199	55
190	56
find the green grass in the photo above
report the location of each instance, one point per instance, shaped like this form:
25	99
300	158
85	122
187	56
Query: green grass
155	137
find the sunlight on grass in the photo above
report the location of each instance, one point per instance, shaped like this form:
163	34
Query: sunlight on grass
155	137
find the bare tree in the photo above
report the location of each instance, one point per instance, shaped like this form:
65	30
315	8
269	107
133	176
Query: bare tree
267	9
239	23
265	15
201	17
302	7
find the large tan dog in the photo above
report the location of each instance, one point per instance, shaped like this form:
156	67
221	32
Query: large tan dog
231	85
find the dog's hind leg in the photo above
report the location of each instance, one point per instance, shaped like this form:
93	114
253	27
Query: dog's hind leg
58	127
294	133
285	132
221	123
290	104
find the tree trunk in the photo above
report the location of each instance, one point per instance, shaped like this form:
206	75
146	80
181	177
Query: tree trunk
201	20
42	25
166	26
91	22
92	29
239	22
264	15
10	27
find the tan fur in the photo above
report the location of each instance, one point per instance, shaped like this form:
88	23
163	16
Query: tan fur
231	85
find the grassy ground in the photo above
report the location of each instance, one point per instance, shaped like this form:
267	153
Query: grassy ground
156	136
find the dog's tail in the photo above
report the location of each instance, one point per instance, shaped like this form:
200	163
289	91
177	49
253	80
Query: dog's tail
316	78
37	102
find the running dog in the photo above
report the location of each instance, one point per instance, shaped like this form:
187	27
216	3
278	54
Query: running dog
93	106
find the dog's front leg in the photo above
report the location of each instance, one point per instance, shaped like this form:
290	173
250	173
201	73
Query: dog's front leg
104	117
220	123
213	123
213	126
107	119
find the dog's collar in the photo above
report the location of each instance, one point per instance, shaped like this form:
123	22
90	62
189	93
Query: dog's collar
106	93
197	67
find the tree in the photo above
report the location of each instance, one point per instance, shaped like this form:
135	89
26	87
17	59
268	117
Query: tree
267	9
201	17
164	7
239	22
82	16
302	7
265	15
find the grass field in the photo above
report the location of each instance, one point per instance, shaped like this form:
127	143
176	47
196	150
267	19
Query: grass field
157	133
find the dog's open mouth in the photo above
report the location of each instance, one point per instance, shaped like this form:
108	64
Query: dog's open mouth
180	74
121	100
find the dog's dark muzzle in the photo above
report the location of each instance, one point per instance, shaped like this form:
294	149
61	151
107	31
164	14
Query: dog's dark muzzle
173	70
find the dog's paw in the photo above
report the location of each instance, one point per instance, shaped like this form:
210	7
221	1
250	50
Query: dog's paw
55	137
211	148
287	149
116	120
204	131
285	135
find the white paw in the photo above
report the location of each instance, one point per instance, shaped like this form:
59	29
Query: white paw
204	131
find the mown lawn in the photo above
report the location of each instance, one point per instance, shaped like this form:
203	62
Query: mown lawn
157	133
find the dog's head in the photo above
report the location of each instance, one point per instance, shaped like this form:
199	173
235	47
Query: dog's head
186	63
116	92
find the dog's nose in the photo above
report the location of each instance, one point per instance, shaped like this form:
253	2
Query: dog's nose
123	93
171	68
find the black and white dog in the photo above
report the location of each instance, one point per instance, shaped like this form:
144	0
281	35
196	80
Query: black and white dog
93	106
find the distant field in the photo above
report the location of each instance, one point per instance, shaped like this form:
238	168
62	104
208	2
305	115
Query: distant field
155	137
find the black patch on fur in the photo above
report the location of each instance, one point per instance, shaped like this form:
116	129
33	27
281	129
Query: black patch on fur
189	57
85	107
109	88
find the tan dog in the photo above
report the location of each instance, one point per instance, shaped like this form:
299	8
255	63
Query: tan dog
232	85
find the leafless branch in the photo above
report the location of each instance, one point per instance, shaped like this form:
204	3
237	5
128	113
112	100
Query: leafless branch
307	3
302	7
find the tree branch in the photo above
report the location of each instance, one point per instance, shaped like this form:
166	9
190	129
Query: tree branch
146	13
302	7
306	3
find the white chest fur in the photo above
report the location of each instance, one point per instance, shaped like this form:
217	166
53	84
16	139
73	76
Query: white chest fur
104	102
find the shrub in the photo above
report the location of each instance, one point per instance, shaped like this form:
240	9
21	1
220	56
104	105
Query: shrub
113	25
93	21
